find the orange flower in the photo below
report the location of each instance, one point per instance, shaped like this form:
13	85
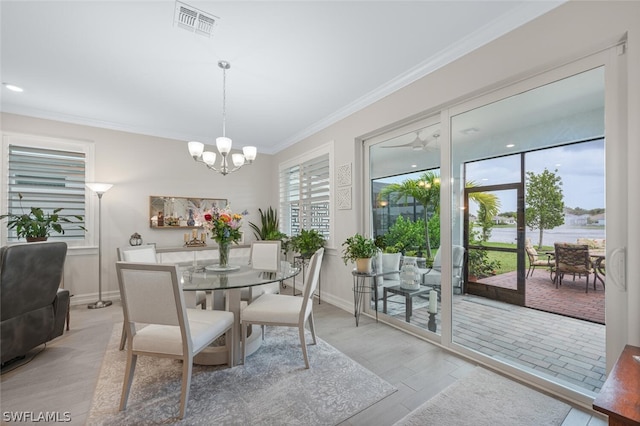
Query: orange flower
225	217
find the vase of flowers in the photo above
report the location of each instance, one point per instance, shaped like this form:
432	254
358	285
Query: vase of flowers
223	249
224	228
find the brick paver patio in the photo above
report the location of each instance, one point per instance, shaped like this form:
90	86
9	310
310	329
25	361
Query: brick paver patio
569	299
556	346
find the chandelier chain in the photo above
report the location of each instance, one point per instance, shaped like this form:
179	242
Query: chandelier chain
224	100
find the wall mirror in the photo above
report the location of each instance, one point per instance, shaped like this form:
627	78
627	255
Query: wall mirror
179	212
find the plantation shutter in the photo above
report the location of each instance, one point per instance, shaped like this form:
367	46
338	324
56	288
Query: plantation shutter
305	197
48	179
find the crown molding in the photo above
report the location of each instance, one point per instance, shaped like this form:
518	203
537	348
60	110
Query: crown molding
489	32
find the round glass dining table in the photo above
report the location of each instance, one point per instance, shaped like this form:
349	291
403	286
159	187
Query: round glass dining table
226	286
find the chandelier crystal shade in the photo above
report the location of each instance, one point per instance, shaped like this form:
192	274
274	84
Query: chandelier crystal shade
223	143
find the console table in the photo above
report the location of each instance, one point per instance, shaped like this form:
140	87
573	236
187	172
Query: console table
619	397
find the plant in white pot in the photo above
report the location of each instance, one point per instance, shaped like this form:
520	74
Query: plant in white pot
359	250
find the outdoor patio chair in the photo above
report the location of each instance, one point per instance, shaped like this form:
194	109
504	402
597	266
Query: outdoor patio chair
572	259
535	261
432	277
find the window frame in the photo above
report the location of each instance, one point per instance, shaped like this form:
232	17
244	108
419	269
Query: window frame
325	149
50	143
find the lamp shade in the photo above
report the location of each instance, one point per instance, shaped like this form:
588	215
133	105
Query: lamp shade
196	148
223	144
238	159
250	152
99	188
209	158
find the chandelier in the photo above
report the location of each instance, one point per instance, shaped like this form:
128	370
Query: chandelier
223	143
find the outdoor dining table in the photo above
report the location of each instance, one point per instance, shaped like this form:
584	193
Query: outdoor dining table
597	257
232	280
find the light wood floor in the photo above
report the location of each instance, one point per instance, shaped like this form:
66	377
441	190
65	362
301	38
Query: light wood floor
62	378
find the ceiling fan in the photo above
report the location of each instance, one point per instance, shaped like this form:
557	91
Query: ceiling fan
418	144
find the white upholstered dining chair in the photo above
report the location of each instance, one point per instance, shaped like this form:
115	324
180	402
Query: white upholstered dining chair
265	256
152	296
285	310
147	254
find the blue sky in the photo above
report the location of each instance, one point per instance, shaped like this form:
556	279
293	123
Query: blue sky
581	167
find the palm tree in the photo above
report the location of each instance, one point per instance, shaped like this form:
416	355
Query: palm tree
426	191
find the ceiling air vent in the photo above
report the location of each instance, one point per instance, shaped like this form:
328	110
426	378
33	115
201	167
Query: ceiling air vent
194	20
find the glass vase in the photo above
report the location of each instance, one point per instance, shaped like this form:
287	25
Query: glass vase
223	249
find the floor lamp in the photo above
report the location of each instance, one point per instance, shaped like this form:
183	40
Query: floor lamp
99	189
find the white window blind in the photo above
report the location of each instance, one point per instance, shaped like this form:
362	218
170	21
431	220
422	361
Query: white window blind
305	197
48	179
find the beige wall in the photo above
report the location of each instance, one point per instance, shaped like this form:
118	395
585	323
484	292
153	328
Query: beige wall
565	34
140	166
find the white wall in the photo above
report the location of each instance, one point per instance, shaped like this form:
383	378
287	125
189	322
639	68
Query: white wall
139	166
567	33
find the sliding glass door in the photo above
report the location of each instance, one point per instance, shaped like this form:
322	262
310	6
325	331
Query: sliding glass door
523	164
484	171
404	200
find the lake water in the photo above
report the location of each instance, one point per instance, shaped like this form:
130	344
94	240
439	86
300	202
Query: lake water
562	234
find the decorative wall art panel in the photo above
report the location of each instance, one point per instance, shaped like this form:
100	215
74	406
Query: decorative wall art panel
343	198
343	175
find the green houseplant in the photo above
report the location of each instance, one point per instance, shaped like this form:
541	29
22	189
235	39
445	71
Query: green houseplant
37	225
359	250
307	242
269	228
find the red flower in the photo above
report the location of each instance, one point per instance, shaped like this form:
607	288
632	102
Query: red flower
207	217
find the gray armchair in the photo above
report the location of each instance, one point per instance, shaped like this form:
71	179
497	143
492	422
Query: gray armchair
432	277
33	307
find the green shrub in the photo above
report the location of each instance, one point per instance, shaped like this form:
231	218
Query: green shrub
405	234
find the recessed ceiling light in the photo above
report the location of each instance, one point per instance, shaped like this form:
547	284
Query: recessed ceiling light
13	88
414	165
510	145
558	165
485	179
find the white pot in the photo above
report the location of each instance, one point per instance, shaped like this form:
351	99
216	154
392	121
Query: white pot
364	265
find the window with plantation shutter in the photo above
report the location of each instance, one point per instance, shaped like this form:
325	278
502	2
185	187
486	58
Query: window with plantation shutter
48	178
305	196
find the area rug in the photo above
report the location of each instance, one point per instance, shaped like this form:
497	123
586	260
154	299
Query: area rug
484	398
272	388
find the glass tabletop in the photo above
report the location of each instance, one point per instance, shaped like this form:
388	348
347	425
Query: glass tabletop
206	277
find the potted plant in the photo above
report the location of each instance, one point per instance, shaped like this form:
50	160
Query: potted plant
37	225
269	228
359	250
307	242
